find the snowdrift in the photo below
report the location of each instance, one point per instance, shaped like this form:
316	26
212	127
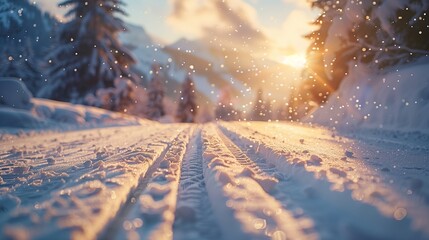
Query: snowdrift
397	100
18	109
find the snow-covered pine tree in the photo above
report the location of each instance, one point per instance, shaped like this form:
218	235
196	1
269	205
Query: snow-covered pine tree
397	33
187	108
259	109
268	103
26	42
9	16
89	56
380	34
225	110
9	20
21	64
155	95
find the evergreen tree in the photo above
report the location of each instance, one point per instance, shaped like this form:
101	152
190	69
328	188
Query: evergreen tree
89	56
260	109
378	34
9	16
225	110
21	64
187	108
155	93
268	109
25	40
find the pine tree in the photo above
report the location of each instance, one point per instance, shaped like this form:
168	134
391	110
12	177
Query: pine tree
9	20
155	106
21	64
9	16
268	109
259	108
225	110
187	108
377	34
25	39
89	56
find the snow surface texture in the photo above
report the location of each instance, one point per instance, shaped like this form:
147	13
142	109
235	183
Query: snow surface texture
213	181
398	100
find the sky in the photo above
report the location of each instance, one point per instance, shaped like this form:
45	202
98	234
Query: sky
278	25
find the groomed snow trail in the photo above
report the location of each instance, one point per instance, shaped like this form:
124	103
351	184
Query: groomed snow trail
213	181
96	182
242	205
344	197
152	216
194	214
123	222
281	191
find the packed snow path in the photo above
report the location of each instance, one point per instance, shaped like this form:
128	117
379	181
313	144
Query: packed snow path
214	181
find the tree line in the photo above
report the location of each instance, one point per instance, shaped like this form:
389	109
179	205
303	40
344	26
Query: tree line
81	61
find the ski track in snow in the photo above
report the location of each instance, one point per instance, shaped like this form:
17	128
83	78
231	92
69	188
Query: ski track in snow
243	206
328	184
92	192
194	214
212	181
148	211
52	156
246	156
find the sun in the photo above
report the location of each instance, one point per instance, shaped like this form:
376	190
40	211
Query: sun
295	60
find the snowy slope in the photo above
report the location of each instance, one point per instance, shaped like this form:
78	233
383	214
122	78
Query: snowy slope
197	49
181	58
195	53
396	100
19	110
144	48
215	181
51	115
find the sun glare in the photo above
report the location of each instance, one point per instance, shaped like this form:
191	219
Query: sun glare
295	60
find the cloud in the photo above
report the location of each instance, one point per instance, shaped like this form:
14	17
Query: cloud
228	22
297	25
289	38
298	3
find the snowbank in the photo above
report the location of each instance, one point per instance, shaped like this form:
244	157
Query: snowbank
17	118
363	187
13	93
398	100
19	110
79	115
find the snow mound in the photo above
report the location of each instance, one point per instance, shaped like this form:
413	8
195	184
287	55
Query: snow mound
8	202
398	100
18	110
13	93
79	115
18	118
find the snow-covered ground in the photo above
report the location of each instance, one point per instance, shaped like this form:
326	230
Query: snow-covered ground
215	181
396	100
21	113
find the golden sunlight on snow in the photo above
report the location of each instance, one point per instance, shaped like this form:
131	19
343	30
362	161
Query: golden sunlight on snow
295	60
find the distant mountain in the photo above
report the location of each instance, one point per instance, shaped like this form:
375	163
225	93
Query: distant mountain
144	49
195	48
177	60
213	68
